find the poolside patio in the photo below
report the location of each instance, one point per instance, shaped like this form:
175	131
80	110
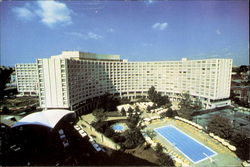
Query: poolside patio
225	157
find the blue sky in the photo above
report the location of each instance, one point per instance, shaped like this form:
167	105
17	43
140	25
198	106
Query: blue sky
138	31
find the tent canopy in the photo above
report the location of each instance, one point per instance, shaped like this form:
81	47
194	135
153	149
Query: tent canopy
47	118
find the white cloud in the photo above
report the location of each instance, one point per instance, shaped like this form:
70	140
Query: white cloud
149	2
52	13
86	36
110	30
76	34
23	13
218	32
160	26
92	35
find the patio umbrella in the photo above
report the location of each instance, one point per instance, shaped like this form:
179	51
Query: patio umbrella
191	123
225	143
199	127
178	160
222	140
211	134
216	137
233	148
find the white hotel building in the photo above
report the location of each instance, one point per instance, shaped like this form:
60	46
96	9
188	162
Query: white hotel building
74	79
26	79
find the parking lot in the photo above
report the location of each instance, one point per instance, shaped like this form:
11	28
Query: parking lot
83	134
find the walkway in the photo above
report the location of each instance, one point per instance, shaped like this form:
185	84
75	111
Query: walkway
98	137
116	118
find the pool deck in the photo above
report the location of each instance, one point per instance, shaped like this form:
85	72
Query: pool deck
224	156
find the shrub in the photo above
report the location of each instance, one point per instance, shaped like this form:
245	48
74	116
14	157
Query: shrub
109	132
123	112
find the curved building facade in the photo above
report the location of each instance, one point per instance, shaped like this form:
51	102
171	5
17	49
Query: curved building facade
73	78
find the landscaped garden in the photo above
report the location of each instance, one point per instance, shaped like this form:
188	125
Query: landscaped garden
123	125
126	124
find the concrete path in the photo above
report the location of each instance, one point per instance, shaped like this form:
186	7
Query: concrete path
98	137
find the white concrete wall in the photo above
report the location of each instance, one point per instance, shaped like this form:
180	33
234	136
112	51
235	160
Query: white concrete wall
51	91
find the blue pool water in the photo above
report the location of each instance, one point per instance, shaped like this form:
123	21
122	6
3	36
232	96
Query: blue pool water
118	127
191	148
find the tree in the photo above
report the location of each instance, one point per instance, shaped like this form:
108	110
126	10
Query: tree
163	159
130	110
220	126
118	138
162	100
137	109
242	142
152	93
147	146
99	114
158	149
133	138
108	102
5	77
109	132
123	112
169	113
5	110
150	133
197	105
148	108
154	106
157	98
243	68
188	106
133	120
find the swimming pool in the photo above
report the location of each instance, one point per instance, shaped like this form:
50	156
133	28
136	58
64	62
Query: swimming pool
191	148
118	127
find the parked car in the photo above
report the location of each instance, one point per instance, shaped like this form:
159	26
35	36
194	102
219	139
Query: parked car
246	163
65	143
82	133
15	148
91	139
97	147
77	127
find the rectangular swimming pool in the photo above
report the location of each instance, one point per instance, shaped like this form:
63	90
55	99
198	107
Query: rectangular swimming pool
191	148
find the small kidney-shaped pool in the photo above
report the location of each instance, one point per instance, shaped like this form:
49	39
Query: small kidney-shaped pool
119	127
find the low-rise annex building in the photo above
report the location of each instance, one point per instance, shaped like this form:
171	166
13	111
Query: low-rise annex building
73	79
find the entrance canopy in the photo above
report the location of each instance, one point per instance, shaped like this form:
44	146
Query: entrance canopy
47	118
